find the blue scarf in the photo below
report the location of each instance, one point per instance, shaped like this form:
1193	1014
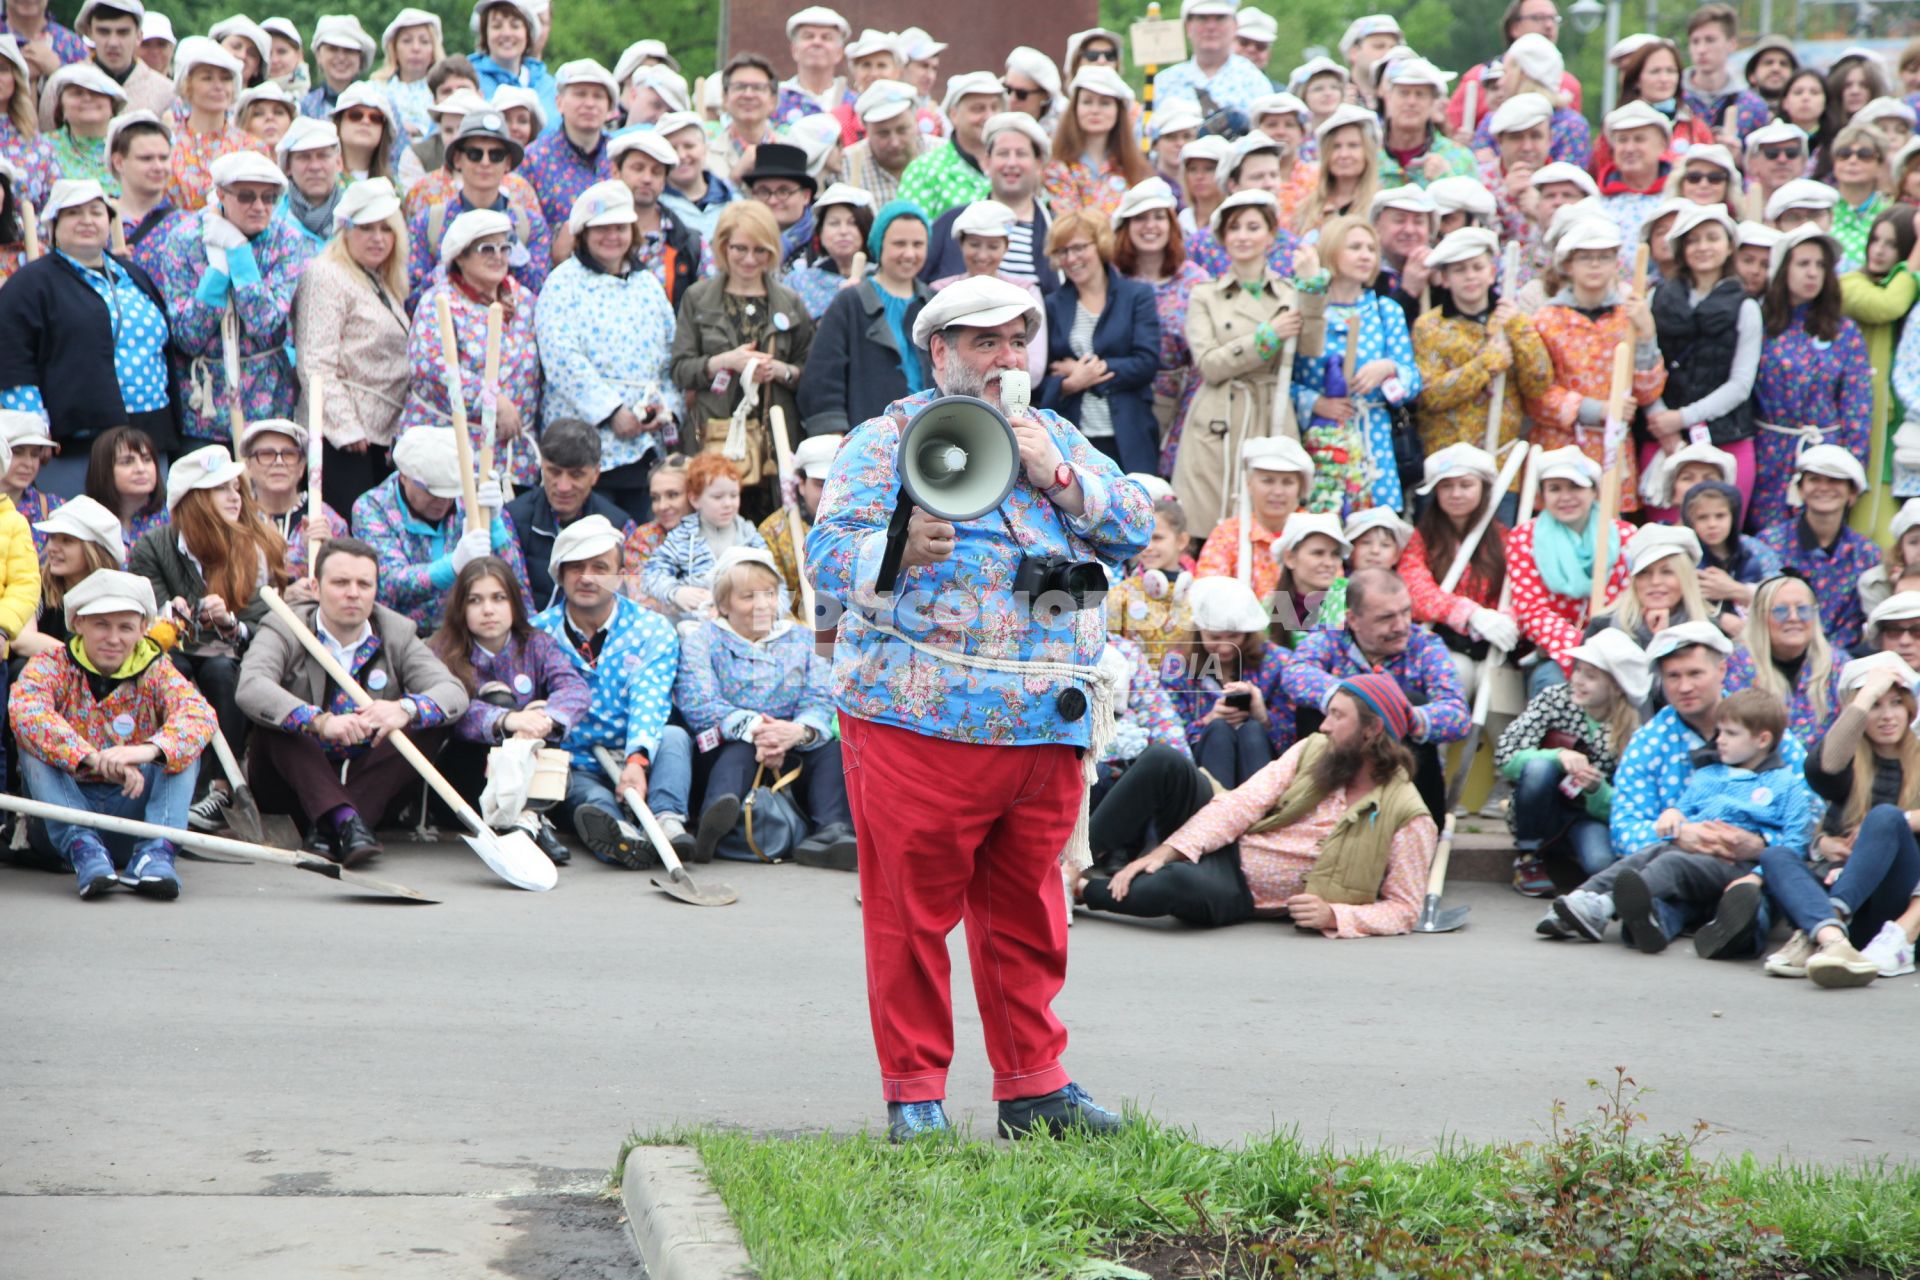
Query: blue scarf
1565	555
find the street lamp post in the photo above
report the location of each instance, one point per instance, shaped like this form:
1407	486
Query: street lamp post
1586	15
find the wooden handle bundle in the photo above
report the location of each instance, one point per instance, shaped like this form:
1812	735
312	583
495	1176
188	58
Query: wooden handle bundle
457	407
1497	406
490	393
1608	507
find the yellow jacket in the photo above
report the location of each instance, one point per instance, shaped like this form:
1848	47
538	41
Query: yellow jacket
19	571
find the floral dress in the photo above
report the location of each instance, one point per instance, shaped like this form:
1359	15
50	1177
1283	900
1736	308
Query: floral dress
1353	461
34	158
83	159
1803	382
193	157
427	404
1178	379
1151	610
1075	184
605	342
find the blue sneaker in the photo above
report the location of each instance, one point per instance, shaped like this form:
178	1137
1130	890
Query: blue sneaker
909	1120
1065	1108
151	872
92	867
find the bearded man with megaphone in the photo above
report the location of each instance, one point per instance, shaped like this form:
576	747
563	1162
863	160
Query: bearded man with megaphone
967	536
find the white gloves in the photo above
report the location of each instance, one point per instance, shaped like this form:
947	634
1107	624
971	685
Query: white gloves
219	235
1497	629
491	496
472	545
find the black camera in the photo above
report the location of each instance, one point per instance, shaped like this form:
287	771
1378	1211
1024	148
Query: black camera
1082	581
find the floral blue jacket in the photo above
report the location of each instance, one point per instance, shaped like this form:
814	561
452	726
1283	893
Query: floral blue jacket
416	558
727	681
1654	772
605	342
966	603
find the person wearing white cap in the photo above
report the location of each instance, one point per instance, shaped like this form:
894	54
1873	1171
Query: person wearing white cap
1254	32
1460	478
1818	543
274	451
80	537
1147	247
1462	202
1470	337
343	51
1634	185
1348	144
1403	220
873	58
888	113
1238	718
411	46
206	79
817	38
333	767
84	99
1900	571
666	242
983	231
130	751
1533	67
562	163
1016	152
248	41
310	155
1802	201
480	158
1033	86
157	43
1521	133
1815	383
1312	593
234	258
1663	590
1237	325
68	356
1859	156
1550	560
267	112
504	35
287	58
1562	795
605	328
1278	475
1648	72
1096	158
1368	40
112	31
653	91
1228	79
1416	150
369	131
946	177
910	734
843	216
29	445
1711	87
19	572
1894	626
1779	154
1709	175
922	71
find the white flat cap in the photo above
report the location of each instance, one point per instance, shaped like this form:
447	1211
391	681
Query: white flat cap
23	429
266	91
1561	171
1278	104
818	15
1222	604
1210	147
984	218
1538	59
648	142
1378	518
1669	465
1832	461
1568	463
1905	519
918	46
284	28
1321	66
87	520
1636	115
71	193
461	102
365	93
1775	132
430	457
1373	24
885	99
205	468
1256	25
1522	111
979	302
674	121
1098	77
586	71
637	53
847	194
1242	147
1695	215
1586	233
366	202
1895	608
343	31
1855	673
1302	525
1180	115
1463	245
1347	114
1801	193
969	83
411	18
1458	460
474	224
1025	60
246	166
1686	635
127	119
1012	122
1417	71
273	427
1806	232
306	134
813	456
249	30
1627	46
82	75
156	26
1885	109
584	539
133	8
1158	490
1757	235
1276	453
1614	652
1653	543
1142	197
1407	199
604	204
110	591
1207	8
1461	194
512	97
1246	198
198	51
872	41
1714	154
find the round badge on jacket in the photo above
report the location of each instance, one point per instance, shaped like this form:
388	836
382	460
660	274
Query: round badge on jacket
377	680
123	725
523	683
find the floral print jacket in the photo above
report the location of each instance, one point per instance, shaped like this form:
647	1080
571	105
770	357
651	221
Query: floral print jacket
427	404
727	681
1806	381
56	716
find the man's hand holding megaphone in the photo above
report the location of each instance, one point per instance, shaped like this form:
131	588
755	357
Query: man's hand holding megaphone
929	540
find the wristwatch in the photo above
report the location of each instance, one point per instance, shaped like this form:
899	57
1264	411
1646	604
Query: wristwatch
1063	479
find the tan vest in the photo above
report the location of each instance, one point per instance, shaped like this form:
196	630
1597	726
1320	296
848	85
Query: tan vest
1353	857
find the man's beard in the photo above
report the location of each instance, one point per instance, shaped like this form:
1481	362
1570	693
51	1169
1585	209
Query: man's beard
961	380
1338	766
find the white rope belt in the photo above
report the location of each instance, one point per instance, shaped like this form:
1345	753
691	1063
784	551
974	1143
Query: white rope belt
1808	436
1078	853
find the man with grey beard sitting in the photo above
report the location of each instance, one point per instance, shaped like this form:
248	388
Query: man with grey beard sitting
1333	834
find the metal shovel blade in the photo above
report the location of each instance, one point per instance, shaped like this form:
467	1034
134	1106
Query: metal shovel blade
1435	919
369	884
515	858
243	816
679	884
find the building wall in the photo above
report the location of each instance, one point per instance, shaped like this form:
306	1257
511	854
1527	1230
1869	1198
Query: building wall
978	34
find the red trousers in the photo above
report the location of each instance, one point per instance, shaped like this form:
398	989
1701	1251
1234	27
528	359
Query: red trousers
951	831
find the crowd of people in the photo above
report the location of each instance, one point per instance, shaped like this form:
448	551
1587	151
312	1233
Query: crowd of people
1399	406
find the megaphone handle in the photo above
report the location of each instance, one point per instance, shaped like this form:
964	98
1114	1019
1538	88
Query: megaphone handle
896	544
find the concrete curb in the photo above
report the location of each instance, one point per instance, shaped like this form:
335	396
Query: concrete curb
679	1225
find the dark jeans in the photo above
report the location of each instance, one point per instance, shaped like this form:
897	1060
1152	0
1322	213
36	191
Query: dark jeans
217	676
1160	792
1875	883
1686	887
821	787
345	476
1546	824
626	488
1233	753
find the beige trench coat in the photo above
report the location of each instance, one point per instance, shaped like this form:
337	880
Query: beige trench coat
358	343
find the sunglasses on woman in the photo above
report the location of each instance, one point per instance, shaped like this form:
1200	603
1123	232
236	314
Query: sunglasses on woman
362	115
1786	151
1799	613
1855	153
1712	177
1100	55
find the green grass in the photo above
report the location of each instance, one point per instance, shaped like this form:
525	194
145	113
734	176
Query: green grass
855	1208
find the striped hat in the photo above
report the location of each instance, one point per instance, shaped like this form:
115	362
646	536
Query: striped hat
1382	695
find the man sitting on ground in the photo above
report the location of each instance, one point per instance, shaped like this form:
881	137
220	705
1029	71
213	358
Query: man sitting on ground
812	459
107	725
1672	875
1332	834
569	468
629	656
314	753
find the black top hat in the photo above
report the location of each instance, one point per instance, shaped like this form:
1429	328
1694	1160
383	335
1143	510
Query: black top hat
779	160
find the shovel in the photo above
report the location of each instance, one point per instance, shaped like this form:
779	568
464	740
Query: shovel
678	883
1433	917
511	855
215	844
243	815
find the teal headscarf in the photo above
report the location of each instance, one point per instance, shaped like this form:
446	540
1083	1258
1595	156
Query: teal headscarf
882	220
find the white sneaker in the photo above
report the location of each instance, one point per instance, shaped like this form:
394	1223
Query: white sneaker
1890	950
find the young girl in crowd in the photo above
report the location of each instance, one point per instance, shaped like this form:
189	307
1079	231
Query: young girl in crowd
1312	551
1731	563
521	681
1278	474
1877	298
81	537
679	576
1791	657
1560	756
1238	719
1149	605
1551	559
26	437
412	46
1459	488
124	476
1376	538
667	490
1467	341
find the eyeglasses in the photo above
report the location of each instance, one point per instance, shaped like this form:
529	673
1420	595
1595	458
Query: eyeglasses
1079	250
362	115
1799	613
1714	177
1787	151
1855	153
1022	95
274	457
492	249
775	193
740	250
1900	629
487	155
1100	55
1540	19
250	197
750	86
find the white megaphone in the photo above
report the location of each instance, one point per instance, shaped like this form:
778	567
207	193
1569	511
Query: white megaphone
957	460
